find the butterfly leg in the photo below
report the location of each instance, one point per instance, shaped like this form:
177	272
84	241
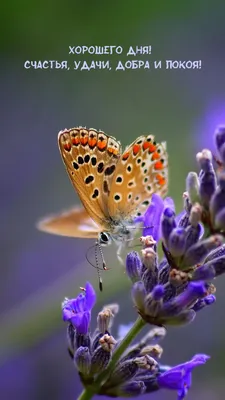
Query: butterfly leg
119	251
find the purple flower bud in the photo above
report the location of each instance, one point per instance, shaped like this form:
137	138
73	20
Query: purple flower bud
168	223
204	159
221	180
82	339
71	336
163	263
146	362
138	294
168	202
154	351
99	360
219	252
113	310
164	272
193	292
131	389
220	219
217	201
133	266
177	241
82	359
153	301
204	273
185	317
150	272
207	184
196	253
150	382
124	372
149	259
206	301
104	319
210	299
169	212
95	340
218	264
170	291
150	279
220	136
158	292
193	234
192	187
222	153
182	220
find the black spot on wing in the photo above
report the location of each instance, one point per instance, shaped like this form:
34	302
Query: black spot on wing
110	170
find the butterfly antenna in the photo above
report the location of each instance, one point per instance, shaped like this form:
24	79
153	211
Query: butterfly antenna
97	245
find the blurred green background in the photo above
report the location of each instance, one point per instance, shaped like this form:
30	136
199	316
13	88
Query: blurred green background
180	106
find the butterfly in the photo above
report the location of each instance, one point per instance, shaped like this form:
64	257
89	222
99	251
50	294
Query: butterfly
114	186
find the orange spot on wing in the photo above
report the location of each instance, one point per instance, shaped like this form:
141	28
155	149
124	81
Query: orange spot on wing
84	140
67	146
110	150
113	151
136	149
75	140
125	156
161	180
102	144
155	156
158	165
92	143
152	148
146	145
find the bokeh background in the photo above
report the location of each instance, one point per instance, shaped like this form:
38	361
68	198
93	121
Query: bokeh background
179	106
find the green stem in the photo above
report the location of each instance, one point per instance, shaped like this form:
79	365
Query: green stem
136	328
86	394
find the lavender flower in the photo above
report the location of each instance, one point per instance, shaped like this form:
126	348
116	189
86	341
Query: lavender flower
152	217
220	142
78	310
179	377
209	186
137	370
165	293
170	291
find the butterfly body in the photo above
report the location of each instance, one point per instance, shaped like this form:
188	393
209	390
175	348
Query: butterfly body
114	186
119	232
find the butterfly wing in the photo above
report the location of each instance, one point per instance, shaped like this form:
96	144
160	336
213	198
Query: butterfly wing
140	172
74	222
90	158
